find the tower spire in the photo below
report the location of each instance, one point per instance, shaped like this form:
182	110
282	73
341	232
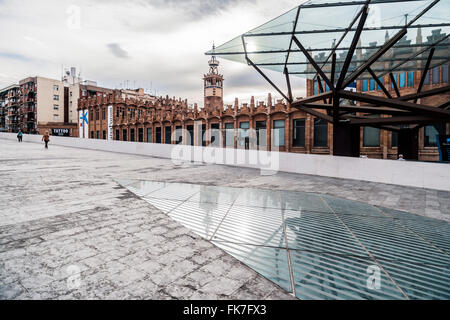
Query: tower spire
213	63
213	83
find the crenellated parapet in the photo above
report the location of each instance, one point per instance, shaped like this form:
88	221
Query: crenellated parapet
134	111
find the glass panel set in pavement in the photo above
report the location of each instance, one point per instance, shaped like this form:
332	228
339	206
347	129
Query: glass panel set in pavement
315	246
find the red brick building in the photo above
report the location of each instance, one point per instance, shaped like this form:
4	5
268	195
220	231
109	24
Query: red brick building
265	125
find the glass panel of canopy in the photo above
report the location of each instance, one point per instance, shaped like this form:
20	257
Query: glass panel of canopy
325	27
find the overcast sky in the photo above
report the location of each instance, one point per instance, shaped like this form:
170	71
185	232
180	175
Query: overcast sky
155	44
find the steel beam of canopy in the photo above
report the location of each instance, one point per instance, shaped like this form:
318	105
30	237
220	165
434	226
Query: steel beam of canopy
424	73
321	90
315	98
415	57
326	49
386	70
319	82
386	46
375	57
267	78
393	27
350	3
427	93
313	63
398	120
349	57
394	83
379	83
387	128
342	38
445	105
394	103
363	109
288	83
333	71
262	64
292	35
315	113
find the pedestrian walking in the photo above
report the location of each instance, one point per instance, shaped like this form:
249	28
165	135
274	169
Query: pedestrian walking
19	136
46	139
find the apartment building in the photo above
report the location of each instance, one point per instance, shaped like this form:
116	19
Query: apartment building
44	107
39	104
9	108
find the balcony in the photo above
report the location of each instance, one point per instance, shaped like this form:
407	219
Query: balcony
28	109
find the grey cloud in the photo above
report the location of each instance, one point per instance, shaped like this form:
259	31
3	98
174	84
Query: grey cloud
182	12
195	8
245	78
117	51
14	56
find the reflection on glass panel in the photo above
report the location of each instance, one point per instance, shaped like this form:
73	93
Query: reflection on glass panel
215	135
320	133
278	132
430	134
371	137
202	135
229	134
364	85
427	78
243	134
178	134
158	135
168	137
283	23
402	80
190	134
372	84
411	79
149	135
394	140
272	40
298	139
381	80
396	81
445	74
261	133
435	75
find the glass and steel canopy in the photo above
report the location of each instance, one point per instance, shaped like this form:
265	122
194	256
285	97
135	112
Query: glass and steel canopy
335	43
338	42
324	27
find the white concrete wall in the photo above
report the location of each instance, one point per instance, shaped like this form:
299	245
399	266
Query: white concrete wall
405	173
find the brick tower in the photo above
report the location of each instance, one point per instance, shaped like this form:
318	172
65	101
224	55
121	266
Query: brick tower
213	85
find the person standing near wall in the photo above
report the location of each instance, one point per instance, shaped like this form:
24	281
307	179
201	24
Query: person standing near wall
46	139
19	136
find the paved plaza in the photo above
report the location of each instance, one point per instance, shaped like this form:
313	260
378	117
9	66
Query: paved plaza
70	229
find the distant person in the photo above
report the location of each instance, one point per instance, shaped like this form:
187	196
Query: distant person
19	136
46	139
